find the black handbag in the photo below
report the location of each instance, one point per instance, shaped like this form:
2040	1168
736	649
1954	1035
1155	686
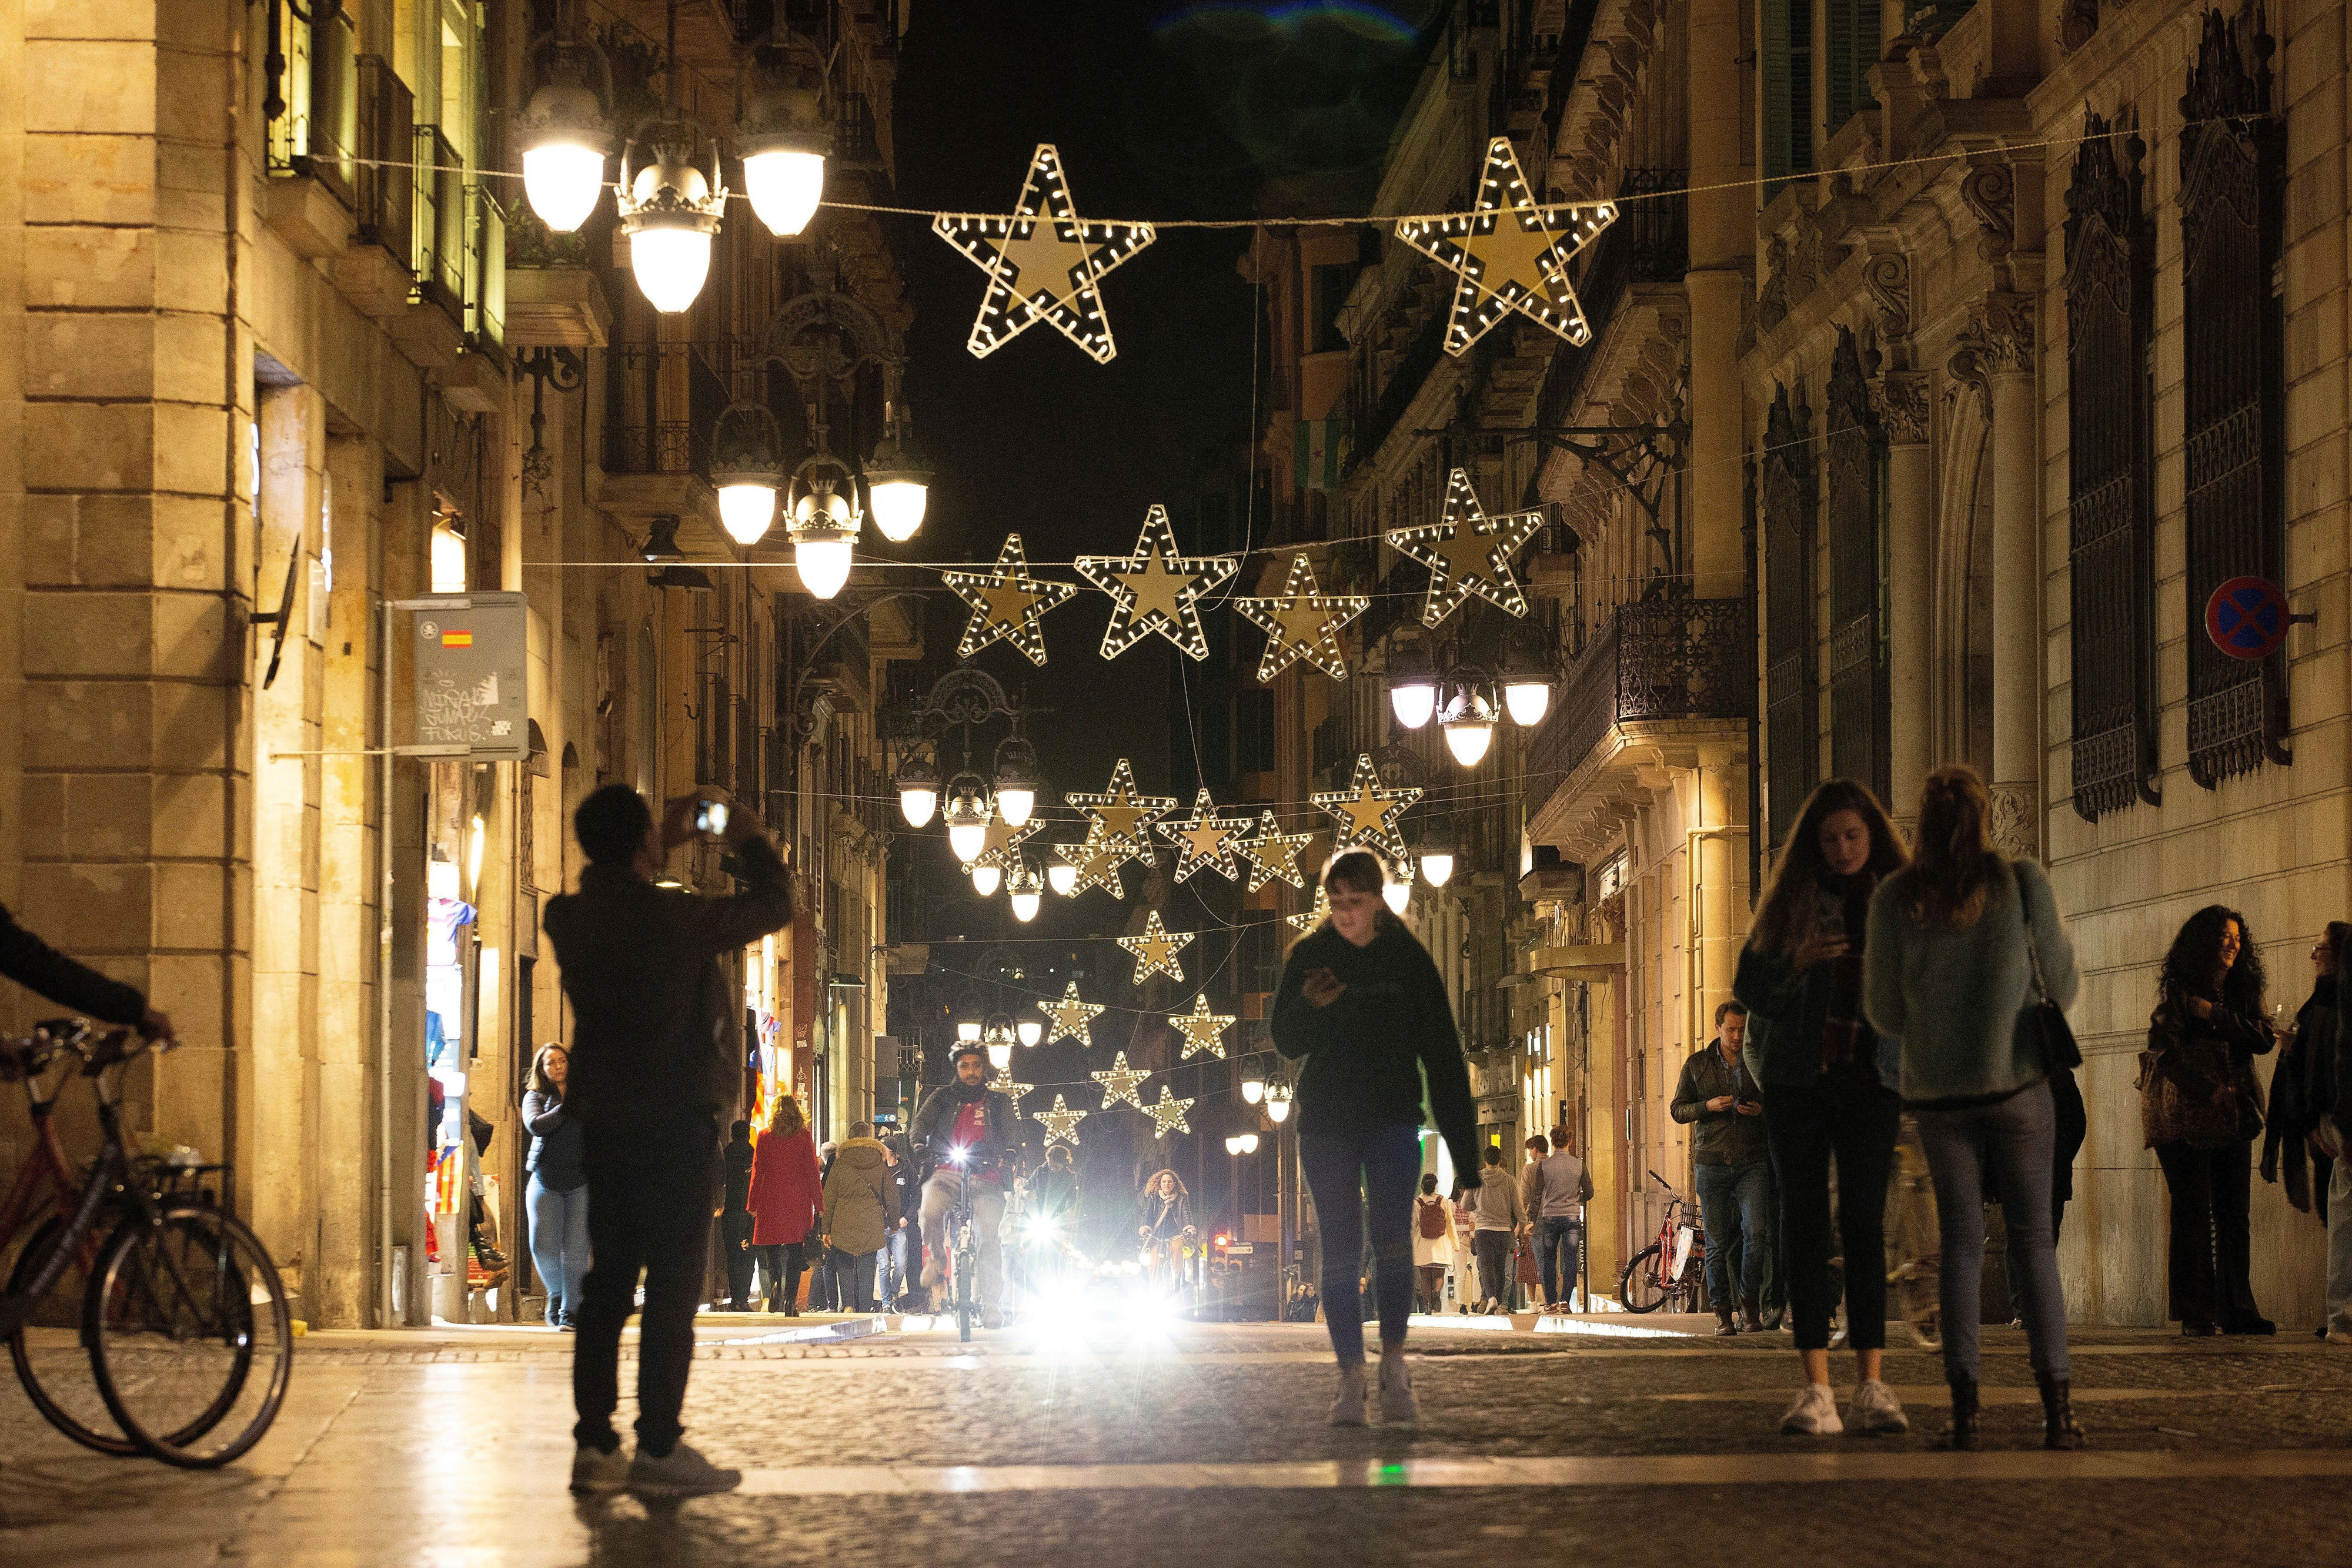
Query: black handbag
2048	1019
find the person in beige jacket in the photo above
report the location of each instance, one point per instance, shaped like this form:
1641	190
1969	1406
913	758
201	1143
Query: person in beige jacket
1501	1219
856	1198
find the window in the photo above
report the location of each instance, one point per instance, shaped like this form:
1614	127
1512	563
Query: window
1858	678
1850	29
2231	186
1331	284
1788	71
1791	746
2110	267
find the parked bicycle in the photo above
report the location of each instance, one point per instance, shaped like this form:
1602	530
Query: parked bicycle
135	1272
1673	1268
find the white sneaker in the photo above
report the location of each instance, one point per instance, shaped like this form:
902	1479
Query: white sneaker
1347	1409
1874	1409
597	1472
1814	1414
684	1473
1398	1407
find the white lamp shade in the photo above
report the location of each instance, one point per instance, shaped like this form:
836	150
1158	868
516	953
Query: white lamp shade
1061	878
1469	739
967	1031
1246	1144
966	839
1279	1109
1032	1029
1437	867
746	511
1527	701
1000	1054
1015	805
898	506
823	563
916	803
1024	909
784	188
1252	1090
987	879
670	265
1396	895
1413	702
564	179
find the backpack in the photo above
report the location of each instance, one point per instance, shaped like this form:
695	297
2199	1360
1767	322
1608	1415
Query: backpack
1432	1218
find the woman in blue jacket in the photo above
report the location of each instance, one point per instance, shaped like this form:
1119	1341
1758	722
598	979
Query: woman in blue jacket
558	1192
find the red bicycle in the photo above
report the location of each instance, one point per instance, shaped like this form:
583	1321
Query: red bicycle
1671	1269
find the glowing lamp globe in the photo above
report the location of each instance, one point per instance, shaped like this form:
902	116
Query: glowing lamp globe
564	179
1396	895
917	802
1437	867
898	506
1413	702
671	262
1062	877
1032	1030
1024	905
1526	701
987	879
1013	803
746	511
822	557
784	187
1000	1054
968	1032
1469	738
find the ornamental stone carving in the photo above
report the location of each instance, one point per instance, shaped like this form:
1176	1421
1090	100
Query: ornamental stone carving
1888	275
1990	192
2013	827
1900	402
2006	321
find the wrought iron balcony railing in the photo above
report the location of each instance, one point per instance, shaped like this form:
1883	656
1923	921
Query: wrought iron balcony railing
1660	659
671	446
386	191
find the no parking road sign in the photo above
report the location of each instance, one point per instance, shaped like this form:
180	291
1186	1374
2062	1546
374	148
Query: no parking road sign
2248	618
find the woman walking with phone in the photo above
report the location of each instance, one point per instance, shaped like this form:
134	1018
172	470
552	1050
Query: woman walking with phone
1965	947
1362	1008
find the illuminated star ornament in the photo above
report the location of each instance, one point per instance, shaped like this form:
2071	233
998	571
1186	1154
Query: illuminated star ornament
1367	813
1061	1122
1155	950
1002	1083
1156	589
1001	844
1123	819
1204	840
1169	1114
1303	623
1203	1029
1271	854
1007	603
1120	1083
1096	862
1508	254
1043	262
1468	552
1310	919
1068	1018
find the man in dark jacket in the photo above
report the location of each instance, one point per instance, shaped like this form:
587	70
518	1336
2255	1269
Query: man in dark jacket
37	966
735	1216
1719	1102
654	1074
970	1129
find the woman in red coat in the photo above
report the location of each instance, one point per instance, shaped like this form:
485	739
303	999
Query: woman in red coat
786	1194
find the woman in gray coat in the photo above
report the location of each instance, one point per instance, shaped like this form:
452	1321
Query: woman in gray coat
1963	944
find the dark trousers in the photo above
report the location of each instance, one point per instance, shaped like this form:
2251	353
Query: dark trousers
1559	1243
2211	1258
1363	1184
824	1291
1851	1115
853	1272
1493	1248
650	1193
780	1268
735	1233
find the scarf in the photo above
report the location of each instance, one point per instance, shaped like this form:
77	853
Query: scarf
1842	1028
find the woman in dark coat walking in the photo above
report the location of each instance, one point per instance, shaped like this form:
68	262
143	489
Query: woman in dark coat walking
785	1196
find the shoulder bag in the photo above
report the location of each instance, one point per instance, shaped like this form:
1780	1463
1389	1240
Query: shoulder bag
2046	1018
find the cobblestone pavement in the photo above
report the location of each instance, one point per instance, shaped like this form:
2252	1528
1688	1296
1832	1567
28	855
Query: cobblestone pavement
1191	1444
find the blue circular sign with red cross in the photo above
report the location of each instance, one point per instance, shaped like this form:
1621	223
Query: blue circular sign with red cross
2247	618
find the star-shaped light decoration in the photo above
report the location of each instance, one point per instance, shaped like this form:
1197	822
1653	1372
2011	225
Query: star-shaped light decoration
1068	1018
1120	1083
1061	1122
1303	623
1168	1115
1367	813
1468	552
1203	1029
1508	254
1310	919
1003	1084
1096	863
1156	589
1155	950
1123	818
1043	262
1001	844
1270	854
1204	840
1007	603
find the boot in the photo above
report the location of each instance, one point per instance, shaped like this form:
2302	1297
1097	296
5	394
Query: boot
2058	1427
1751	1321
1963	1434
1723	1323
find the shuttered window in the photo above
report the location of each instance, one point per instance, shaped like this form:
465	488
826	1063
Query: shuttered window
1857	488
1792	738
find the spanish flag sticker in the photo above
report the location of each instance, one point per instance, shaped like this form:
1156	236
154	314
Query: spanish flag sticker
457	639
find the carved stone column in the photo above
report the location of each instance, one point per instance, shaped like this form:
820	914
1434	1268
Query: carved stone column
2007	328
1902	408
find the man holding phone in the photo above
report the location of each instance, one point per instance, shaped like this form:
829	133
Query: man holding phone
655	1075
1719	1102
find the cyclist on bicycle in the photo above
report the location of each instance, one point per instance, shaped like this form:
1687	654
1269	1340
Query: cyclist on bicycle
969	1129
37	966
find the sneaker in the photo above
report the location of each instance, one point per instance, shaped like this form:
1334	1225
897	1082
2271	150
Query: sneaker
1347	1409
2340	1336
593	1470
990	1318
1398	1407
1814	1414
680	1473
1874	1409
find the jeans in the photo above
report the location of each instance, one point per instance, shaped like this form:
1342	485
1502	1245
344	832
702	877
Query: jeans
1734	1202
2211	1260
1559	1243
2339	1246
939	1195
823	1290
2000	1150
895	1271
559	1247
650	1193
735	1235
1847	1112
1496	1282
855	1271
1363	1184
780	1271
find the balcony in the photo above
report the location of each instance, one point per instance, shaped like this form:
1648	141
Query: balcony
672	446
312	138
1669	674
374	273
1648	243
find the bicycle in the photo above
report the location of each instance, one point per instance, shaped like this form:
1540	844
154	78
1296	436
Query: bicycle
1672	1267
180	1304
963	1247
1914	1244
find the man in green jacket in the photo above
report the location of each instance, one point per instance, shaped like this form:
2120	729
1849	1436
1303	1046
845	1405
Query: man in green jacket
1719	1102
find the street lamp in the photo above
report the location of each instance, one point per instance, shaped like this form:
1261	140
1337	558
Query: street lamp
1016	773
783	137
918	792
1061	875
998	1037
1397	894
566	130
824	531
1435	848
1278	1095
1242	1144
670	211
986	878
1253	1081
1032	1030
967	817
1526	684
1469	716
747	470
897	481
1026	888
1413	687
967	1031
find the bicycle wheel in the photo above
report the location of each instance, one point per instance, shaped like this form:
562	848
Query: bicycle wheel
967	1262
190	1337
49	1353
1638	1286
